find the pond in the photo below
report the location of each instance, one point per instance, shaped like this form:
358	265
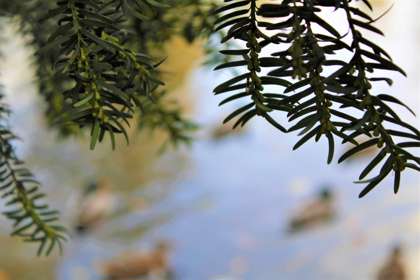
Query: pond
224	205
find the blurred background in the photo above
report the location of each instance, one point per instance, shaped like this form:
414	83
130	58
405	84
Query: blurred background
233	206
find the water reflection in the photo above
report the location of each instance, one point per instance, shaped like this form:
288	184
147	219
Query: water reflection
138	177
226	206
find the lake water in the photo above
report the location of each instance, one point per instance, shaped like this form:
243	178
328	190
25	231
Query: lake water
224	205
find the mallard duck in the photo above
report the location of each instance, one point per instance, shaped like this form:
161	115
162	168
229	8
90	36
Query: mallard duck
97	205
141	264
319	210
393	268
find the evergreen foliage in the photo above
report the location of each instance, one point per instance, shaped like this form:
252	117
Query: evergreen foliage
322	94
97	65
32	219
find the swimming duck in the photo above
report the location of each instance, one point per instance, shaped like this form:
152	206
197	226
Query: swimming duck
97	205
142	264
393	268
317	211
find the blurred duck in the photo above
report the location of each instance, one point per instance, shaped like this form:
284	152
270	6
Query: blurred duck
223	131
393	268
317	211
143	265
97	205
